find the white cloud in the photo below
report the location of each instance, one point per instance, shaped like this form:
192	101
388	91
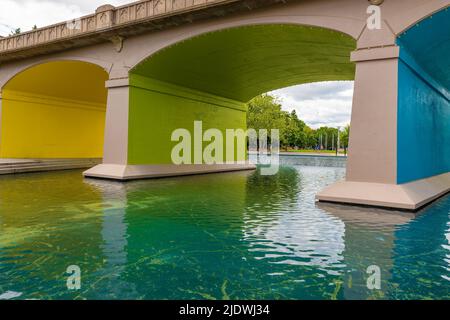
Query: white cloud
24	14
319	104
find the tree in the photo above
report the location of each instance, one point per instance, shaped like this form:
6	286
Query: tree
294	132
328	137
345	134
264	112
15	32
312	141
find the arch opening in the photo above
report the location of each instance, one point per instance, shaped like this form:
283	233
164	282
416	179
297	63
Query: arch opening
54	110
315	117
213	76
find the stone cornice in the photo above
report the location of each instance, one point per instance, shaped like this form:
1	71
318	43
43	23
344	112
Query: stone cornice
110	22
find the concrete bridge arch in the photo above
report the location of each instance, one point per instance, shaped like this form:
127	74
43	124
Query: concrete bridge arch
8	74
345	26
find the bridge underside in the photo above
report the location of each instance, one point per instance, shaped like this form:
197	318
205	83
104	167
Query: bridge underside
54	110
211	78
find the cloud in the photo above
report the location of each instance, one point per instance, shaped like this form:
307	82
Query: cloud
319	104
24	14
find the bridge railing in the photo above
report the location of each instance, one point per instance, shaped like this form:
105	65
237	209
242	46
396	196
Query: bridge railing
105	17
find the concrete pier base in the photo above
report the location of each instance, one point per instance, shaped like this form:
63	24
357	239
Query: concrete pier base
408	196
132	172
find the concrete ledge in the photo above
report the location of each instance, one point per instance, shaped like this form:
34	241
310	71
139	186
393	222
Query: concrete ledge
409	196
132	172
15	166
390	52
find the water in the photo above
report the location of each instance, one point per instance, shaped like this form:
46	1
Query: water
312	160
223	236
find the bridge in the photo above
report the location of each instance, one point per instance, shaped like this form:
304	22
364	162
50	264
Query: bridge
116	83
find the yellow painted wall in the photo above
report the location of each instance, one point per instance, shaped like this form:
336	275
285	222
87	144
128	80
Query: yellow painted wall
54	110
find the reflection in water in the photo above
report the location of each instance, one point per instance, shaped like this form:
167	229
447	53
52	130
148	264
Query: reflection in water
220	236
280	230
114	235
420	250
49	222
369	240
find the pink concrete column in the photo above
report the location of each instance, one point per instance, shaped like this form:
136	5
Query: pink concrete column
115	154
373	135
116	128
372	163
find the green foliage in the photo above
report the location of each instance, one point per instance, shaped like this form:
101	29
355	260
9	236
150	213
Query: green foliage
15	32
265	112
327	137
345	134
294	134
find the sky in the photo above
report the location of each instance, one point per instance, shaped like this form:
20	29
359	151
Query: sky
25	14
318	104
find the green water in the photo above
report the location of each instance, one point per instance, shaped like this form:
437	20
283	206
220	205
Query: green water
222	236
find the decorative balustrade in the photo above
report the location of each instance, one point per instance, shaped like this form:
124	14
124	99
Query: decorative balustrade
105	17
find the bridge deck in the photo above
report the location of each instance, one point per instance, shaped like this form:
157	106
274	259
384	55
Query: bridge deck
109	22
